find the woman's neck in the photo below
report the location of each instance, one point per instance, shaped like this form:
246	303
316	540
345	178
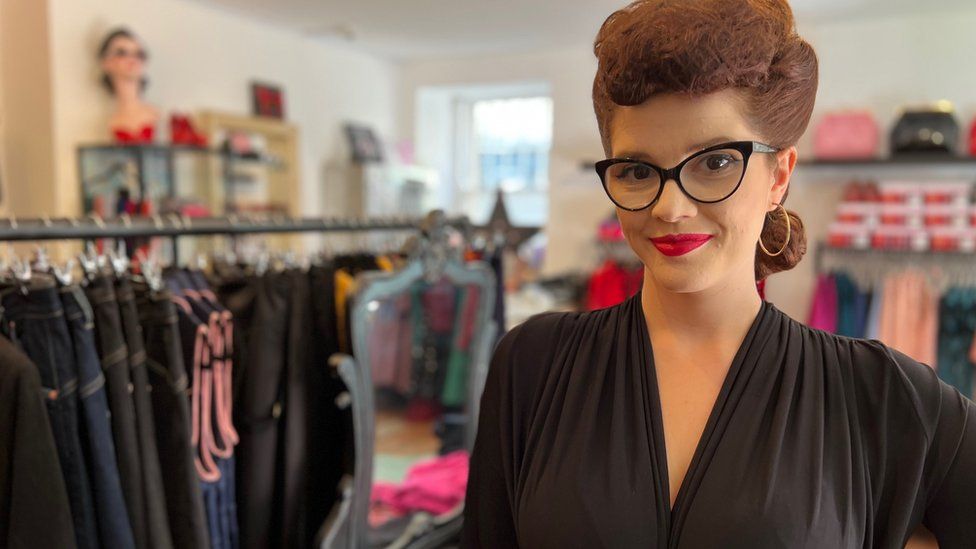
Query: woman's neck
127	92
717	318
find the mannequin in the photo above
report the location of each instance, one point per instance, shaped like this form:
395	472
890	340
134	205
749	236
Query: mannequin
123	61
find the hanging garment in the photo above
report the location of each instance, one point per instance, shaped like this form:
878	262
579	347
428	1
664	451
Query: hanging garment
433	312
208	326
957	326
329	427
455	392
910	316
611	284
823	313
114	529
36	322
390	339
872	326
114	355
34	507
570	449
498	267
294	445
972	352
852	307
260	310
168	378
157	521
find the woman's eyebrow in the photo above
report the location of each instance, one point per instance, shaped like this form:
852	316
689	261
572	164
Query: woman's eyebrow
704	145
643	156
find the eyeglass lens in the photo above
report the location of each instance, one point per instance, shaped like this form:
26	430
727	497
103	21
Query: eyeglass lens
708	177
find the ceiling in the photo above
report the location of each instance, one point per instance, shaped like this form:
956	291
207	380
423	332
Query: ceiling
412	29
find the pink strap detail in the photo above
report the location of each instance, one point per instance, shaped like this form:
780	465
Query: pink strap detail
200	408
211	471
217	388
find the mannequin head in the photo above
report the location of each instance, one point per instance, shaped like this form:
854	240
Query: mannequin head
122	58
675	77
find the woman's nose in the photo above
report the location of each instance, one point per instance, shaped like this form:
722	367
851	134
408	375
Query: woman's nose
673	205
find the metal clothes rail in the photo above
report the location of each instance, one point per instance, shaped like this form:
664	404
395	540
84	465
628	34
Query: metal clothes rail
12	229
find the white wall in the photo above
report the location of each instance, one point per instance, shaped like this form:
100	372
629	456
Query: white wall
569	73
203	58
879	63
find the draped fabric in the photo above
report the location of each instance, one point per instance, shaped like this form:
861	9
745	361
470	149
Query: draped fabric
815	440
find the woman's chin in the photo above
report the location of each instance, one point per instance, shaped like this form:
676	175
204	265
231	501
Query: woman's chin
679	279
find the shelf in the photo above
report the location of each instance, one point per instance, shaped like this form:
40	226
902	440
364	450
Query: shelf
825	248
167	149
920	160
915	167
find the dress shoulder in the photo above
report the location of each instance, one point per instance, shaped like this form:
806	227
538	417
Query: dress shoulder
877	367
878	375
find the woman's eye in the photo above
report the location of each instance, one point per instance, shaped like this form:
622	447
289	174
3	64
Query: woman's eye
637	171
718	162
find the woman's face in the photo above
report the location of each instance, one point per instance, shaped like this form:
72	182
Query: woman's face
665	130
124	59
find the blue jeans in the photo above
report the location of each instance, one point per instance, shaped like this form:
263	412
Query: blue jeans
95	429
218	498
37	323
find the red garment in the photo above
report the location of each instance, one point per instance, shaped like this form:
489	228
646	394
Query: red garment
434	486
612	284
143	136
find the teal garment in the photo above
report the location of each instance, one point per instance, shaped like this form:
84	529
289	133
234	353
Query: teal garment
852	306
957	325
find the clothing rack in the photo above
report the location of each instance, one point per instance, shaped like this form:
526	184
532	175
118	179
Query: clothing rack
12	229
869	266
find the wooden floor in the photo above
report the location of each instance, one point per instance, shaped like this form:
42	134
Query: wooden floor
396	435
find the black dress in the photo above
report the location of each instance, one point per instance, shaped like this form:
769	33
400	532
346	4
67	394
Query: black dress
815	440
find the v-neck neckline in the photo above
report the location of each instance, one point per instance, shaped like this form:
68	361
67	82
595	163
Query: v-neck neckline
676	512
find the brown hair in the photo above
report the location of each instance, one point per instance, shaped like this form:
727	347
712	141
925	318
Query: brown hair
120	32
697	47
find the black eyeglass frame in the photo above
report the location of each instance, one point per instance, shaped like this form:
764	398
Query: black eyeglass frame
746	148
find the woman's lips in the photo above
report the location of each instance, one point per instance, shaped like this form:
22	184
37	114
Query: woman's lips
679	244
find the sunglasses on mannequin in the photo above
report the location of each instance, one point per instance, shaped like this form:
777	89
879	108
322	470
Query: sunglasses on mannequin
139	54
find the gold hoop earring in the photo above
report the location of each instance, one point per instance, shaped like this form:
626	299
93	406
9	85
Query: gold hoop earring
788	232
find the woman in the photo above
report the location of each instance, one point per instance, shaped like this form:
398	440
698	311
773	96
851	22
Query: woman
695	414
123	63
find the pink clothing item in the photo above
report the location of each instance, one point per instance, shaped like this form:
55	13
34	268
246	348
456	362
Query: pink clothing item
910	316
972	351
434	486
823	313
390	344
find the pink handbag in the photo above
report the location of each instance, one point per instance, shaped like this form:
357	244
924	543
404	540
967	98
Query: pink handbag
846	135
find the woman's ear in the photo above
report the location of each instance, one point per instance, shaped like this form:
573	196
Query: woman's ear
782	172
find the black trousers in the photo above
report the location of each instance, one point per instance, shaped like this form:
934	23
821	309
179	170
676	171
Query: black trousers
169	381
157	521
329	428
114	354
258	410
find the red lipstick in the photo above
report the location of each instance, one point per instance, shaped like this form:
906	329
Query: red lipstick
674	245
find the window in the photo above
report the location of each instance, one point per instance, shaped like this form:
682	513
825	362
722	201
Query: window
503	144
486	138
512	139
